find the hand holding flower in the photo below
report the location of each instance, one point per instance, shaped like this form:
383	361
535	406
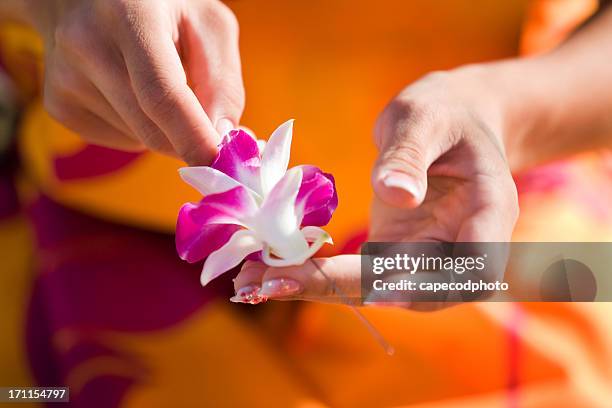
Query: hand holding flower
254	207
441	176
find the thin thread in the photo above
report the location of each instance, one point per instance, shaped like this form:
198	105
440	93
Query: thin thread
373	331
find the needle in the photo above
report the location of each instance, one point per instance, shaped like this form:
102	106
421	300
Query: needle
373	331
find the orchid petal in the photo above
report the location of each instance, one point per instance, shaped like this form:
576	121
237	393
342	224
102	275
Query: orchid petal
261	144
297	259
235	206
275	156
277	222
313	234
253	207
196	231
195	242
207	180
240	245
317	199
239	158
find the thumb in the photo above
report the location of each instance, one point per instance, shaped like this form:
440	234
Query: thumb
399	177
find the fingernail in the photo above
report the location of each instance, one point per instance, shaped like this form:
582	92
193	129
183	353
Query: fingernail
250	294
224	126
281	287
395	179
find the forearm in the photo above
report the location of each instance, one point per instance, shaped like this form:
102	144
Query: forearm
558	103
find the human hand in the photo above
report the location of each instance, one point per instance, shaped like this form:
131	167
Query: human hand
127	74
441	176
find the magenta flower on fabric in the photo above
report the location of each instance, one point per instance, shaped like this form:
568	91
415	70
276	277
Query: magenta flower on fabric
254	207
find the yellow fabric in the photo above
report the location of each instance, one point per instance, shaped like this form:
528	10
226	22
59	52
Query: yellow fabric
15	287
215	356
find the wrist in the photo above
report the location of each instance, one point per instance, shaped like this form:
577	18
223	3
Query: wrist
524	108
480	91
512	105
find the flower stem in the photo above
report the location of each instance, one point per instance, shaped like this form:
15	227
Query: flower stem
373	331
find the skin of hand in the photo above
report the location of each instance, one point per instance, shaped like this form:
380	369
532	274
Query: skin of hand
128	74
447	144
441	176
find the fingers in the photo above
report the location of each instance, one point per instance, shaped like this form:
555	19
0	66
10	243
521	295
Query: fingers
111	77
160	84
86	70
247	284
68	91
339	281
256	282
212	61
74	87
121	62
494	221
486	225
91	127
406	136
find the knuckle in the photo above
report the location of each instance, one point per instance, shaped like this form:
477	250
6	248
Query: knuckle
232	96
402	137
406	152
407	159
436	77
159	98
153	140
411	111
112	10
322	286
152	137
397	109
319	287
411	122
225	17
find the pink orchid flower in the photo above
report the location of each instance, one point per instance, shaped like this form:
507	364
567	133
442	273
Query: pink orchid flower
254	207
